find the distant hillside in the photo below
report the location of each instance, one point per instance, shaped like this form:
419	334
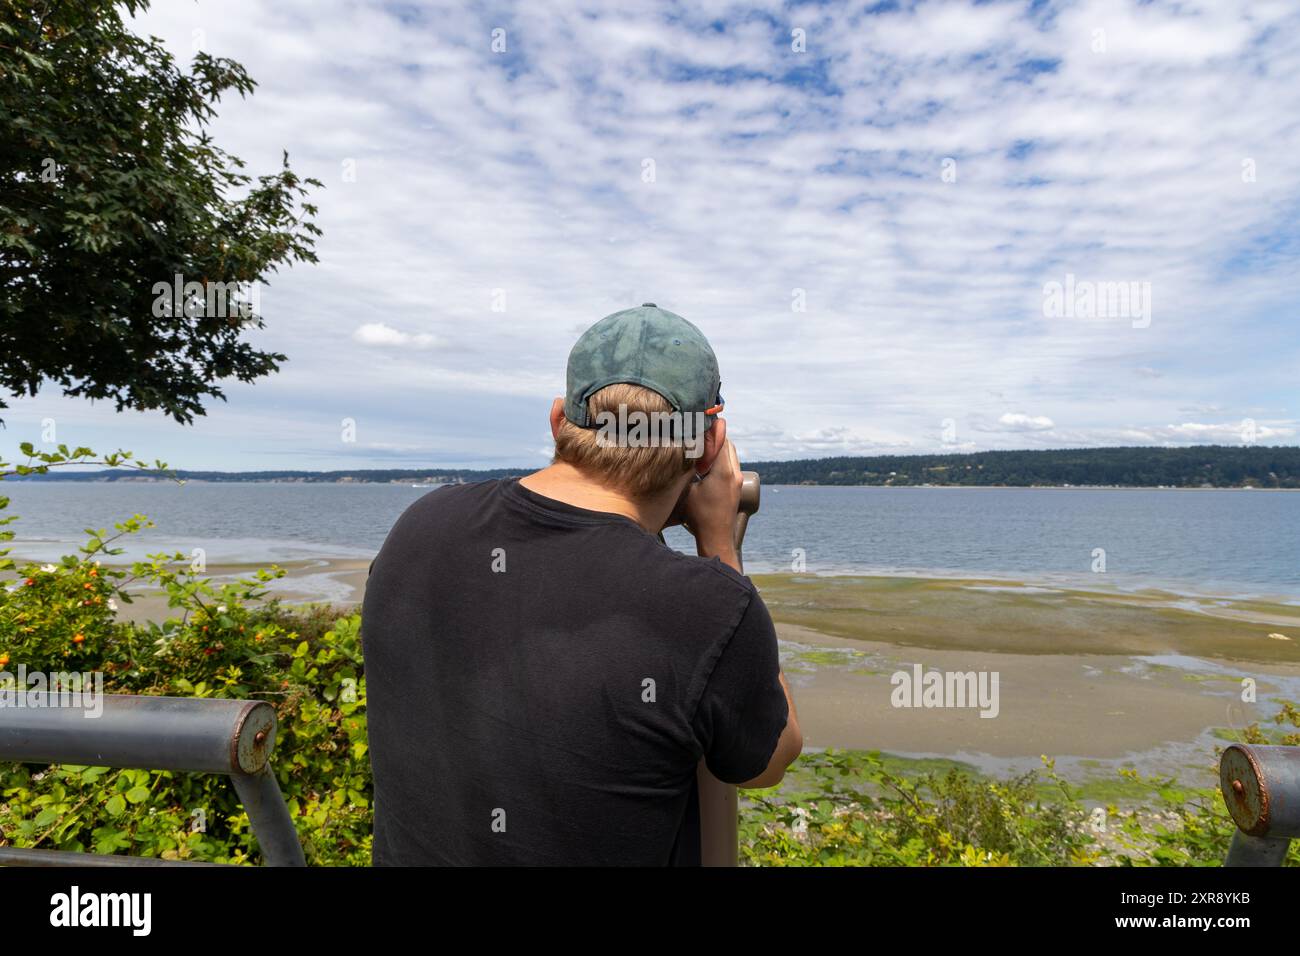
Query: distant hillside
1214	466
432	476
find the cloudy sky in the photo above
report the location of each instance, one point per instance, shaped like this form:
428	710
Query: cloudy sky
864	209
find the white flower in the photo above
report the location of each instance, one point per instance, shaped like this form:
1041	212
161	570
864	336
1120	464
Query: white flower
221	609
112	605
48	568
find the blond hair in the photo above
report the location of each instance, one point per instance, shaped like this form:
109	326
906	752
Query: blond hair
640	471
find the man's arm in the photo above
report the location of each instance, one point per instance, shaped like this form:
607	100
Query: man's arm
788	747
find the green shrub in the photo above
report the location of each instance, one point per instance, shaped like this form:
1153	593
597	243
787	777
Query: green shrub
220	643
847	808
225	641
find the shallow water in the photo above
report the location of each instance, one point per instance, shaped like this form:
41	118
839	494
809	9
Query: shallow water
1238	543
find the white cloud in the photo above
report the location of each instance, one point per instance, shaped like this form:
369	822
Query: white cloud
1017	422
1012	422
383	336
1222	433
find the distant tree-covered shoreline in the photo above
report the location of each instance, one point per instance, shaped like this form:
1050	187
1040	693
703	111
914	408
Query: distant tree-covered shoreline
1201	466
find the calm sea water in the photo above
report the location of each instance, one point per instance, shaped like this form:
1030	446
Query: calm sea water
1231	543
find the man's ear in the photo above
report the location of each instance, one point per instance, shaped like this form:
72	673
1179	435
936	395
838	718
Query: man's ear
557	416
715	439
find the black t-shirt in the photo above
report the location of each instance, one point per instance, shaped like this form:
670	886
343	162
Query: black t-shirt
542	681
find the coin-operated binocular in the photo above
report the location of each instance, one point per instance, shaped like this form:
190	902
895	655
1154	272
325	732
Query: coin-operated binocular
719	814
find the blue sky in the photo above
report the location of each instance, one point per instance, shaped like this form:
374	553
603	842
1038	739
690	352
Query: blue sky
914	178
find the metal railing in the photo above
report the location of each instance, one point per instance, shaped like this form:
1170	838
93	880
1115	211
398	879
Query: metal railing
193	735
1261	788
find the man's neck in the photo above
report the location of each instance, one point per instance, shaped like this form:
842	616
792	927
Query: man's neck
563	482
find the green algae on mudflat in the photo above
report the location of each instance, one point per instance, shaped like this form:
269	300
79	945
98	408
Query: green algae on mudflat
995	615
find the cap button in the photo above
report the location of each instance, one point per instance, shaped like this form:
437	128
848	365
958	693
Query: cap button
648	305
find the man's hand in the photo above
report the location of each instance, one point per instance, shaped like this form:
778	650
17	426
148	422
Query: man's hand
712	504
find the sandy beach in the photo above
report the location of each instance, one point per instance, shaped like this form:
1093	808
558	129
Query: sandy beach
1096	679
337	581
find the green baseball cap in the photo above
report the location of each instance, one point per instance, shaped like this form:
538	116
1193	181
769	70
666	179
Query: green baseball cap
646	346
